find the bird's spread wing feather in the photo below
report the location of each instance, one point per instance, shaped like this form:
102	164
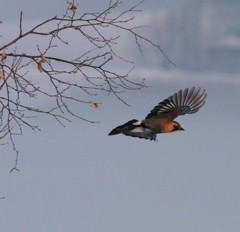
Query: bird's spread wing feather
188	101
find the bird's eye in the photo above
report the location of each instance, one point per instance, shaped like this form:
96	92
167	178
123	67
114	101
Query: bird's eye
175	127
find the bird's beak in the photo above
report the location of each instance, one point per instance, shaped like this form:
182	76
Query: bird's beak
181	129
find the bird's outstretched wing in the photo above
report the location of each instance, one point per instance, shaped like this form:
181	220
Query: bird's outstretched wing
188	101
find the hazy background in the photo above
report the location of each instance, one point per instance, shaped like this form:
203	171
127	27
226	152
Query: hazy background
77	178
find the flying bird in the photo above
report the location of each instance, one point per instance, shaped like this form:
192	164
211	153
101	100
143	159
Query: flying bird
160	119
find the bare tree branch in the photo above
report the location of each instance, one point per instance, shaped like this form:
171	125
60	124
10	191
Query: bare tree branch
60	76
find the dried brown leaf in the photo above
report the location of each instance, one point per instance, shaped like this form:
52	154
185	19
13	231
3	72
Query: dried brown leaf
72	8
40	67
1	76
43	59
94	105
4	57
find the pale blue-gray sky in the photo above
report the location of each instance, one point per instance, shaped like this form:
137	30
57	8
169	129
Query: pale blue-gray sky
77	178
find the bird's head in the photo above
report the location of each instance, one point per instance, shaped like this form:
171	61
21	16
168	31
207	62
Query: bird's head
176	126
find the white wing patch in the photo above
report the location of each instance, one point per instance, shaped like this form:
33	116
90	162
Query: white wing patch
137	123
137	130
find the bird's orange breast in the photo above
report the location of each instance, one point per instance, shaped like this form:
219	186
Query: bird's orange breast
159	125
167	126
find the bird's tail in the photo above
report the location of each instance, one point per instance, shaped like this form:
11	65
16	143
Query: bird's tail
124	128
